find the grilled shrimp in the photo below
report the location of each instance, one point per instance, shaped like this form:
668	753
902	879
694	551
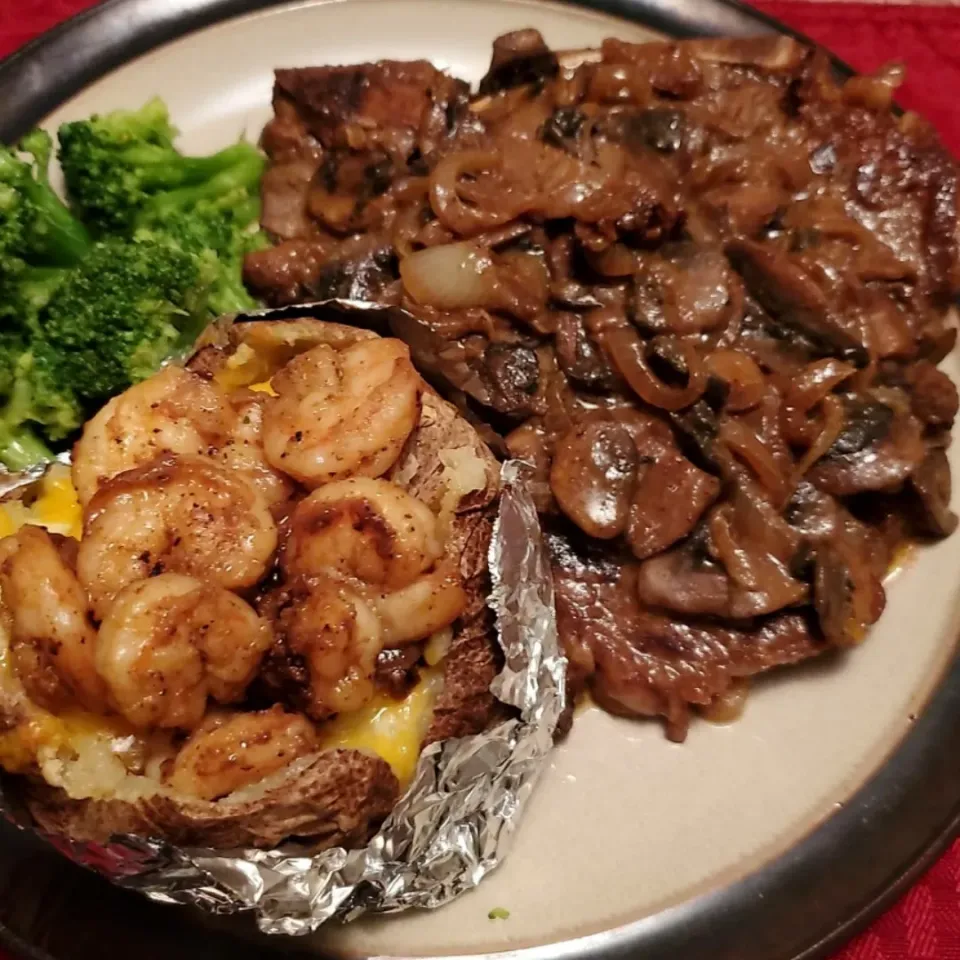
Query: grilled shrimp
428	604
243	448
230	751
341	413
183	514
171	642
369	529
52	640
330	627
378	534
174	411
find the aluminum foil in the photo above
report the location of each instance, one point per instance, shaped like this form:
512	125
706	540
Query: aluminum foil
452	826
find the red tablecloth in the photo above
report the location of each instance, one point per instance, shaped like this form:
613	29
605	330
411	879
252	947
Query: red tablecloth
925	924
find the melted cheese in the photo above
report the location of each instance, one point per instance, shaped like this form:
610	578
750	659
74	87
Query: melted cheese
245	368
391	729
55	507
265	387
58	508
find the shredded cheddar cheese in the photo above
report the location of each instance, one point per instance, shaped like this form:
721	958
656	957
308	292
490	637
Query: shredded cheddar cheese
58	507
391	729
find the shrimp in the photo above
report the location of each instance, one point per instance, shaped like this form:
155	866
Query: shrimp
182	514
369	529
230	751
243	449
342	413
52	640
171	642
430	603
173	411
331	628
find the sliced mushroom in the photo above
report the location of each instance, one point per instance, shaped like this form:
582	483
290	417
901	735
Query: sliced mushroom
519	58
579	356
846	595
529	443
697	430
788	294
593	475
681	581
687	293
670	499
877	450
512	373
812	512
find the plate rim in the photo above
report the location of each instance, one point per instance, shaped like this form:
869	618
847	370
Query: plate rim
879	842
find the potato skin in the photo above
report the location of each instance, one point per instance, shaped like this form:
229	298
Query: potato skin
338	800
342	796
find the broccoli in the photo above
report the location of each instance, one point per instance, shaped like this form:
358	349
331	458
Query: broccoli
123	170
34	399
221	236
39	236
40	240
82	319
110	322
35	225
117	316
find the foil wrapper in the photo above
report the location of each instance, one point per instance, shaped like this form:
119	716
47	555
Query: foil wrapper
452	826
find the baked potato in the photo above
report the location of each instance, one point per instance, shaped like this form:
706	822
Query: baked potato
277	600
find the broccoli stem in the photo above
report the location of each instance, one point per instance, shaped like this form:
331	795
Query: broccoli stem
244	174
57	237
21	448
163	169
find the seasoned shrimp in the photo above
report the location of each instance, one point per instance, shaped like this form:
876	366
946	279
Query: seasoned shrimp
230	751
333	630
173	411
243	449
369	529
342	413
171	642
52	640
182	514
433	601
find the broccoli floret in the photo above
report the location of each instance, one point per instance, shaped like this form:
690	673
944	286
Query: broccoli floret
35	225
33	401
24	291
220	235
120	313
39	237
123	170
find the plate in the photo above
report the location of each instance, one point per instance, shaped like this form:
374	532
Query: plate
770	839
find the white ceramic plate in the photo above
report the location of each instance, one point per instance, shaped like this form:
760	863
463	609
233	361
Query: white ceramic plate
626	824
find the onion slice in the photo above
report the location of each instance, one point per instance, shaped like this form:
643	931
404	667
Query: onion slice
453	276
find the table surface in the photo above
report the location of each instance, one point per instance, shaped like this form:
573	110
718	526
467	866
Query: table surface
925	923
